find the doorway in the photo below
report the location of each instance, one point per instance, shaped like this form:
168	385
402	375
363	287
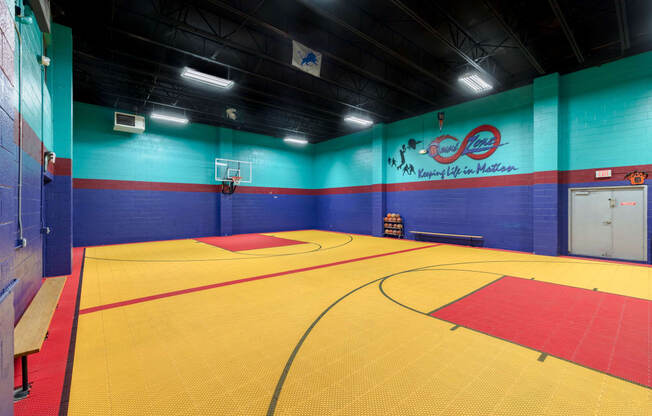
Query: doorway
608	222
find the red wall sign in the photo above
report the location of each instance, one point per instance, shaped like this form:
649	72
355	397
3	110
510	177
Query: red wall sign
480	143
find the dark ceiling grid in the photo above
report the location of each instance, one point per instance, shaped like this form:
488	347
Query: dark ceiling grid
515	37
383	36
389	59
567	30
233	100
623	25
454	36
271	61
359	61
279	57
198	105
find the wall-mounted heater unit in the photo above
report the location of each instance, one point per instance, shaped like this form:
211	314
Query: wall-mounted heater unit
129	123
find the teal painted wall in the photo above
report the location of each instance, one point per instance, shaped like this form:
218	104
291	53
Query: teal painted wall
59	82
35	105
179	154
345	161
275	163
162	153
606	115
510	112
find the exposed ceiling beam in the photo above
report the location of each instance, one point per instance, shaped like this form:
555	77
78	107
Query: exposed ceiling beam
255	91
244	71
567	30
335	117
252	126
279	32
184	27
430	29
533	61
308	4
623	25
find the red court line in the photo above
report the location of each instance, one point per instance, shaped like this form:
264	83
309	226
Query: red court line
233	282
603	331
47	369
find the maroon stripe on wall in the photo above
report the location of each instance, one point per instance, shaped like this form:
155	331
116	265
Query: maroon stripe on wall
31	145
79	183
588	175
62	166
523	179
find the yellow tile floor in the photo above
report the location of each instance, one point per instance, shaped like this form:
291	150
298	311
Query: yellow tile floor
325	341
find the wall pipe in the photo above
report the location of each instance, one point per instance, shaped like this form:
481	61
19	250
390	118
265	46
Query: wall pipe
22	242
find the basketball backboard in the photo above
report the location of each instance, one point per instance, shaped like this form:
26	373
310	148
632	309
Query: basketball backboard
226	169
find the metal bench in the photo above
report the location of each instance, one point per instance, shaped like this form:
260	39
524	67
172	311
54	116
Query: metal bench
32	329
473	240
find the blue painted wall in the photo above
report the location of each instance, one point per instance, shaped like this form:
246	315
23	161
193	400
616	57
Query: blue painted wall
344	162
118	216
58	192
8	207
184	155
594	118
26	131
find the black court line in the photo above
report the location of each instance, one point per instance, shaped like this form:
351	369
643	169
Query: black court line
252	256
65	392
279	386
506	340
468	294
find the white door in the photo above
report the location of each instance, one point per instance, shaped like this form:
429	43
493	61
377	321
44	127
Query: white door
609	222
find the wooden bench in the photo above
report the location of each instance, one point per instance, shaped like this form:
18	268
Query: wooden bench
32	329
474	240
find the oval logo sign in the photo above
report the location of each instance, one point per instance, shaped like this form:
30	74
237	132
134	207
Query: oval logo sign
480	143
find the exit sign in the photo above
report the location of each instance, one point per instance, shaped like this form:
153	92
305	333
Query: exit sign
603	173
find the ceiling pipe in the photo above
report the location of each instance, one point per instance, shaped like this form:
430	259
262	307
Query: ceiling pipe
507	28
567	30
407	62
430	29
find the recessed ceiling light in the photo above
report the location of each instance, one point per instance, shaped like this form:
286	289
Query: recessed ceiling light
194	75
475	83
295	140
173	119
359	120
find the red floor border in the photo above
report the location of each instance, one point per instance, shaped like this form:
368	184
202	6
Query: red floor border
48	369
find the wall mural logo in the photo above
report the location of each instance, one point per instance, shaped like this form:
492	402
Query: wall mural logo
479	144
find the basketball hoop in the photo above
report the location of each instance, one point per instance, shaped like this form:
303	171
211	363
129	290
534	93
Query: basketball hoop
228	186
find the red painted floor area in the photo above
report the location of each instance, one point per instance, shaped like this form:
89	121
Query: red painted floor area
47	369
248	242
602	331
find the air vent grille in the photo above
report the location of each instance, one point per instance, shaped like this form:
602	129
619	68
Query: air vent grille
125	119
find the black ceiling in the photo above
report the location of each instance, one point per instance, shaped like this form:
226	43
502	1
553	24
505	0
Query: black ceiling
386	59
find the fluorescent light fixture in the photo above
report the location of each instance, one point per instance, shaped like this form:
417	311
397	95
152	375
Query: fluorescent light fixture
295	140
474	82
173	119
212	80
359	120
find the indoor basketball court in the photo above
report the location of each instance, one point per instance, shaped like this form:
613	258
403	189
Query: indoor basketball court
301	207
